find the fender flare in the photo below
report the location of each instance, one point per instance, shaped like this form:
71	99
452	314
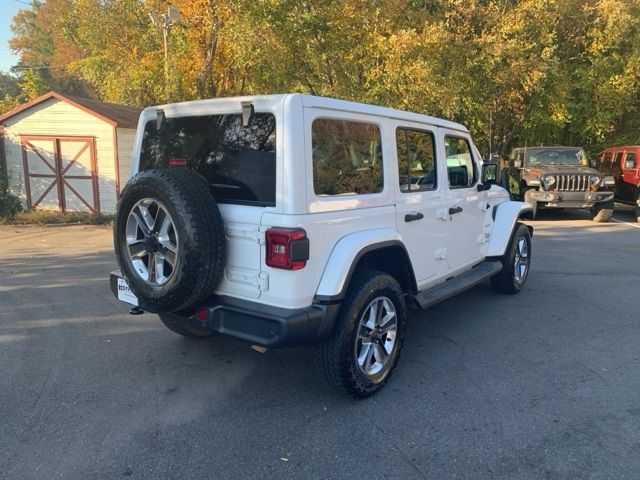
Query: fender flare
505	216
345	256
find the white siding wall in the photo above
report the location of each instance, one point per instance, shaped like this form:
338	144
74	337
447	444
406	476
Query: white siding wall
126	139
56	118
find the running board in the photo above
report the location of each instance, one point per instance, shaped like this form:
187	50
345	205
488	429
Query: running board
458	284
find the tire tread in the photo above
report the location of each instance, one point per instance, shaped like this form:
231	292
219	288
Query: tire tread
205	255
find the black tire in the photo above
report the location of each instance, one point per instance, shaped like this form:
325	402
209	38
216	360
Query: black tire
637	212
200	245
336	358
602	212
508	280
184	330
527	197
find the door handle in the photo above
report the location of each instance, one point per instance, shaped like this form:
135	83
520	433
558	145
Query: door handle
454	210
412	217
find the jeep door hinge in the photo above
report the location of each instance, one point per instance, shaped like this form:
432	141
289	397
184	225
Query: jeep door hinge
443	214
263	281
262	235
483	238
239	230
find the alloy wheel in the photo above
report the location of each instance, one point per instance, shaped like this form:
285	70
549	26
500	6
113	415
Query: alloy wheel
376	336
521	260
152	241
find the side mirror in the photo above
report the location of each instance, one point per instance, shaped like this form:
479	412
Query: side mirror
517	164
489	176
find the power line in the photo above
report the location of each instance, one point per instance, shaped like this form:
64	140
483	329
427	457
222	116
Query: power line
26	3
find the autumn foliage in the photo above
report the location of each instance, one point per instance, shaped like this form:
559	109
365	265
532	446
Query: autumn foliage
514	71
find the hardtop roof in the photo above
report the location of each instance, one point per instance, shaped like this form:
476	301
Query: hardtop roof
318	102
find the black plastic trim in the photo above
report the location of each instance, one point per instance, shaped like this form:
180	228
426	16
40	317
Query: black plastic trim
330	299
299	250
258	323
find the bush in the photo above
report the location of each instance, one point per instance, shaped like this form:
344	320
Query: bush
48	217
10	205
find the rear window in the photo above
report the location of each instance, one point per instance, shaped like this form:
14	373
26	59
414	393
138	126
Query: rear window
238	162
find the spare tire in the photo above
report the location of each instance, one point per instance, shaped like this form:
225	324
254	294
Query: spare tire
169	239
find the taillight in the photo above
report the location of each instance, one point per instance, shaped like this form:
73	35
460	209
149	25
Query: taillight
287	248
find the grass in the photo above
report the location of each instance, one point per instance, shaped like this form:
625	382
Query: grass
47	217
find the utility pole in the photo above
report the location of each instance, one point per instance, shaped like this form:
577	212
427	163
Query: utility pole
165	21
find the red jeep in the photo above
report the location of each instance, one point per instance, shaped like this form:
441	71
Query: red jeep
623	163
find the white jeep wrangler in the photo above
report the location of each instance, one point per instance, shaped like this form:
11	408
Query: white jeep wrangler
291	219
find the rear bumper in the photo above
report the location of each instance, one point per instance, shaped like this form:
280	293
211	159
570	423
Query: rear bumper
571	199
261	324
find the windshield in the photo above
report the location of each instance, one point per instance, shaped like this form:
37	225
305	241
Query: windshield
560	156
239	162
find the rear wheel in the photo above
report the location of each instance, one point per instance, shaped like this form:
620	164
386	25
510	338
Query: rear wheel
602	212
515	263
363	351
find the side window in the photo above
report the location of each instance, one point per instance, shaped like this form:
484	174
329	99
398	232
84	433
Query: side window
416	160
460	166
617	158
606	160
347	157
630	161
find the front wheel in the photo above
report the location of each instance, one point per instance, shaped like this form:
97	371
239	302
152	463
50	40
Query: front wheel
515	263
361	354
602	212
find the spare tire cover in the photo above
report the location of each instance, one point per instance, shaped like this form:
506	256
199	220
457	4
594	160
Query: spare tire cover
169	239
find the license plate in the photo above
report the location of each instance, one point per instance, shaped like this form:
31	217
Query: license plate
125	294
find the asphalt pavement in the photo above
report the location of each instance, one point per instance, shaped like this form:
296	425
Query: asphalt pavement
540	385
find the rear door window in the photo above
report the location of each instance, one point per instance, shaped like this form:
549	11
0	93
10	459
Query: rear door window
416	160
239	162
347	157
630	161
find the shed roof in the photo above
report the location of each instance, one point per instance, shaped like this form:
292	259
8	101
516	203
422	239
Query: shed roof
112	113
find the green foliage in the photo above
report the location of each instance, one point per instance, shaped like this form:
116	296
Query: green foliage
515	72
10	205
32	85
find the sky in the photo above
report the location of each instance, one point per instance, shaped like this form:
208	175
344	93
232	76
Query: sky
8	8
